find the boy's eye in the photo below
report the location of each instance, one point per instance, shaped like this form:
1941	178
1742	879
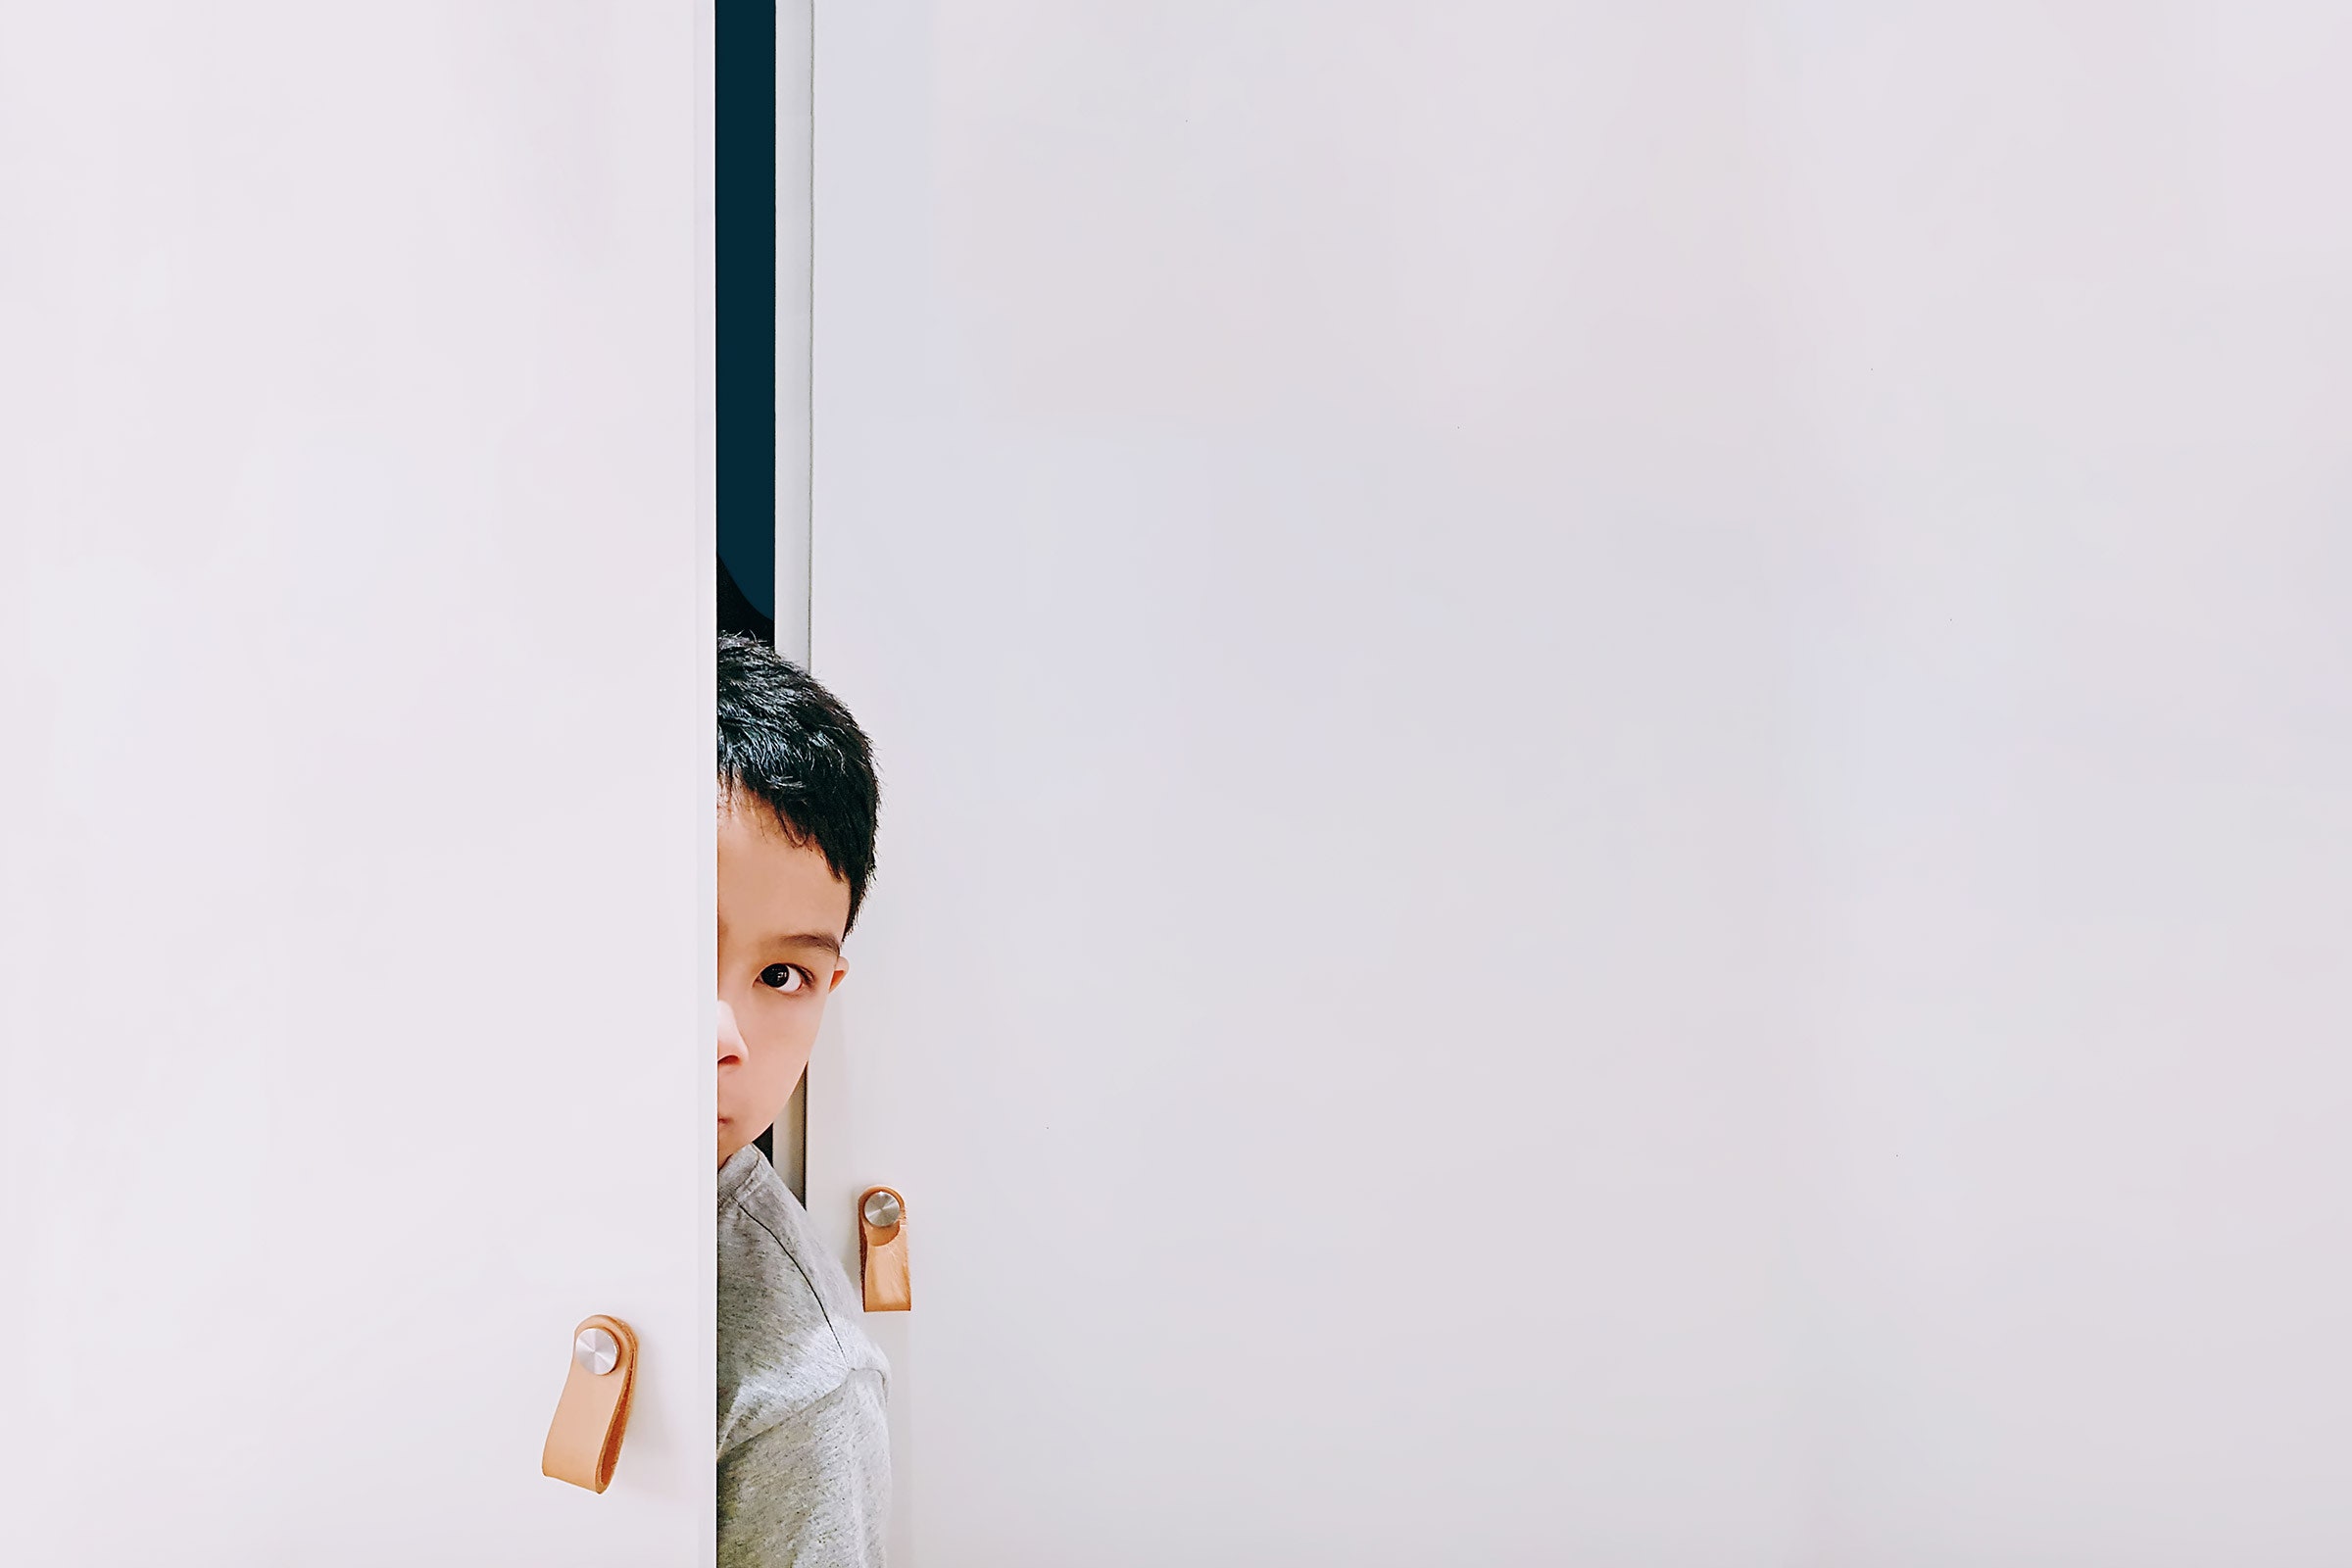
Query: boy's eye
785	977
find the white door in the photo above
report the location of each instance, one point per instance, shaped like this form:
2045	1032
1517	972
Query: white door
1615	776
355	821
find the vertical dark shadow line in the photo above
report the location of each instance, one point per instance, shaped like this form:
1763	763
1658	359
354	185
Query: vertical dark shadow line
744	203
744	166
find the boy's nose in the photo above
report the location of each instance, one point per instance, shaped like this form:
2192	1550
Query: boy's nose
730	1038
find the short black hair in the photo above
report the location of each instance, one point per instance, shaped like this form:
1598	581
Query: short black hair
787	741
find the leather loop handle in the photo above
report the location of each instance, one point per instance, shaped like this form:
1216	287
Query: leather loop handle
882	1255
583	1442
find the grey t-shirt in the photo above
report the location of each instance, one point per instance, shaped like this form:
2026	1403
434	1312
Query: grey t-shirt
803	1446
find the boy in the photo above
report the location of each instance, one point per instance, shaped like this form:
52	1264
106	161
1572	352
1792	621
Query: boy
803	1451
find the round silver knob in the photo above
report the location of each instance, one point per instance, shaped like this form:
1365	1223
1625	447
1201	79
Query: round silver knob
596	1351
882	1210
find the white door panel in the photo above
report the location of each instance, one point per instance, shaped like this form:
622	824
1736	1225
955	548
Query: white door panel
1322	997
355	833
1614	777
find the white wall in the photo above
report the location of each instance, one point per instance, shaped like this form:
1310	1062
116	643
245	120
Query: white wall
2068	312
1617	776
355	821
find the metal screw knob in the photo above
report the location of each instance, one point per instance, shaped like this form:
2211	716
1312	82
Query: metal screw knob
596	1351
882	1210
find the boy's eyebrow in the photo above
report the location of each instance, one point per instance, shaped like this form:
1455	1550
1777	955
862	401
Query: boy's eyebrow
810	939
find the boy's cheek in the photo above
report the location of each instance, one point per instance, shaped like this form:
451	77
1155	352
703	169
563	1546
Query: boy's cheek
784	1025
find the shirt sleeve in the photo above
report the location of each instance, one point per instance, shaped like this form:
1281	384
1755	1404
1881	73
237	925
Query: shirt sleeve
813	1490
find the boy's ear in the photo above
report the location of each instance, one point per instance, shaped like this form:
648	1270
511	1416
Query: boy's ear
841	972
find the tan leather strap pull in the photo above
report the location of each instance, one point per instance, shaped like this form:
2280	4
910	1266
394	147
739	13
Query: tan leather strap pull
882	1250
583	1442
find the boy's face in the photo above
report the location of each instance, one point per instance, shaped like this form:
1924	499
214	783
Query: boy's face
781	918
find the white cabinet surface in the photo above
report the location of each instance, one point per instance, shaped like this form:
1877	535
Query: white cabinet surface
1619	775
355	778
